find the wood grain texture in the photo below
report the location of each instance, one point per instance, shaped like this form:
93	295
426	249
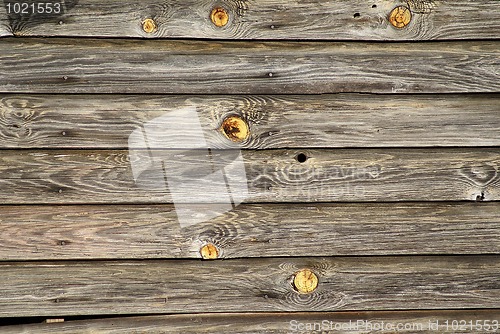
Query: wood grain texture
285	323
5	29
247	285
267	19
275	121
136	232
194	67
97	177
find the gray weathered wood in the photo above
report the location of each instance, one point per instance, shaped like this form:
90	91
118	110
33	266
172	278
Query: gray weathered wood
268	19
259	230
5	29
350	120
81	176
194	67
247	285
425	322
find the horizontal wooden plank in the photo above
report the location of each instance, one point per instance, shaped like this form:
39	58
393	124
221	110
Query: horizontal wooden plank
195	67
247	285
426	322
275	121
266	19
80	176
126	232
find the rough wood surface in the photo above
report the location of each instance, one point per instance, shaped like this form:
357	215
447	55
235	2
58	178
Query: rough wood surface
134	258
5	29
411	322
195	67
267	19
81	176
275	121
121	232
247	285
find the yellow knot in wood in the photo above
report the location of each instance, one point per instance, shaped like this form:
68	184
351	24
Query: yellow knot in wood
149	26
305	281
235	129
219	17
209	252
400	17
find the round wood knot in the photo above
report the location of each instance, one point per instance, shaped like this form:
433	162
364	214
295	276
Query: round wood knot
305	281
149	26
400	17
235	129
219	17
209	252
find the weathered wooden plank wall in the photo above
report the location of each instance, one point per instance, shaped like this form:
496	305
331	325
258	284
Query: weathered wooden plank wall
280	323
387	188
248	285
359	175
269	19
251	230
198	67
275	121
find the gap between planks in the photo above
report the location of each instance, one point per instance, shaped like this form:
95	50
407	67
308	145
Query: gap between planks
425	322
327	175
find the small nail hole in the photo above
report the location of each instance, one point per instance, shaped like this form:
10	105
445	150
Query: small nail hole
301	157
374	6
480	197
356	15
